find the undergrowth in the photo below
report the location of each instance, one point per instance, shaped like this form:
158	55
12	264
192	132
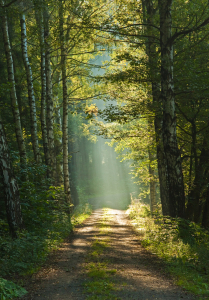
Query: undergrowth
182	244
46	225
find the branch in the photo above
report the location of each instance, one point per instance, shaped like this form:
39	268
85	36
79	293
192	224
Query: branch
83	99
185	32
8	4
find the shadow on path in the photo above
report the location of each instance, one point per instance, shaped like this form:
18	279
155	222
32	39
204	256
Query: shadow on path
140	275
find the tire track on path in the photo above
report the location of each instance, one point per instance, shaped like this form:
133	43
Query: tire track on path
139	276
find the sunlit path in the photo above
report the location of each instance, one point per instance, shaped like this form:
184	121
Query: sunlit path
135	273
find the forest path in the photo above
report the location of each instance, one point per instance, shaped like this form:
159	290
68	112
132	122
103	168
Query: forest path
103	259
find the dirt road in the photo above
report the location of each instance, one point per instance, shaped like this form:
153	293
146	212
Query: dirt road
104	260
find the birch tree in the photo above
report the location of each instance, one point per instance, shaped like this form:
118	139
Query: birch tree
31	95
65	107
40	25
13	95
49	98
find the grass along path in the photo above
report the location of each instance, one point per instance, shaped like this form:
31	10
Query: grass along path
182	245
101	283
118	267
104	260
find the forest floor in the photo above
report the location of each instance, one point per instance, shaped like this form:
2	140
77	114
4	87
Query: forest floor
103	259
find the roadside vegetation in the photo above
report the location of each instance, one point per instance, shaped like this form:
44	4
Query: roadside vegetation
181	244
22	257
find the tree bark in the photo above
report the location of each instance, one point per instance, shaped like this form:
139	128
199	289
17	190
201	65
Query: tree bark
59	149
148	15
205	217
13	95
31	96
49	98
11	189
172	153
40	24
65	109
152	184
193	210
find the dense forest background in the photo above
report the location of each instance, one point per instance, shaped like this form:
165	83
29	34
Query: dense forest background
83	82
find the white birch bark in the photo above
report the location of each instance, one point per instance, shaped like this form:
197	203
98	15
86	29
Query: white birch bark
172	153
40	24
11	189
49	98
65	110
31	96
59	149
151	171
13	95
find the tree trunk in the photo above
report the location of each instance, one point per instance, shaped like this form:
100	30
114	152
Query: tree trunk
65	109
193	210
172	153
49	98
31	96
152	183
59	149
205	217
15	108
11	189
40	24
148	15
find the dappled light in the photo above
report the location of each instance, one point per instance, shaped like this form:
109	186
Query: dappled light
104	149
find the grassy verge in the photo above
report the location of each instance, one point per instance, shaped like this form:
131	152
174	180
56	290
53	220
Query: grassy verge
183	245
101	277
24	256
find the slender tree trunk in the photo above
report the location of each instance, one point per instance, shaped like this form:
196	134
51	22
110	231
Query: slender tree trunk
11	189
205	217
59	149
49	98
152	183
148	15
15	108
193	210
40	24
31	96
172	153
65	109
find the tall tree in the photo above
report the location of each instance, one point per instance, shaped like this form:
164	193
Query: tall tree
65	106
149	18
172	153
13	95
11	189
40	24
49	98
31	95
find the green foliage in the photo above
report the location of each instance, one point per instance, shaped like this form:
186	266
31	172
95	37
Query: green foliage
182	244
10	290
46	225
80	213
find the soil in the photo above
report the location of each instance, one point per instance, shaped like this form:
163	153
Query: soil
140	274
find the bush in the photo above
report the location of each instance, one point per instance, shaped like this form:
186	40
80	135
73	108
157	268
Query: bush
182	244
9	290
